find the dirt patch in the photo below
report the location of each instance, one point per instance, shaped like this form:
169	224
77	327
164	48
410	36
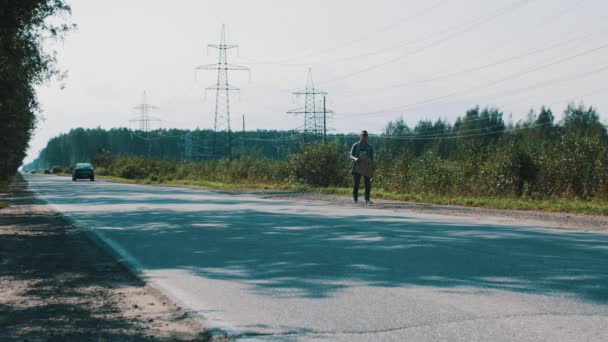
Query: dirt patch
57	284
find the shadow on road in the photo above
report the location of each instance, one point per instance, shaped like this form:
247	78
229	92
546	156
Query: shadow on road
275	248
55	281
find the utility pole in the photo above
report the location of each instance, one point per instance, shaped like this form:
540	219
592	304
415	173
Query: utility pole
313	124
221	122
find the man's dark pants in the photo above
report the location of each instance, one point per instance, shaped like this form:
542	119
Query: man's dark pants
357	181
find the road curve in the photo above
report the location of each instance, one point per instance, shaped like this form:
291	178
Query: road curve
276	270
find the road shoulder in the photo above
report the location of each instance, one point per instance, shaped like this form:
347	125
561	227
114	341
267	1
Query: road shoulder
57	284
536	218
567	221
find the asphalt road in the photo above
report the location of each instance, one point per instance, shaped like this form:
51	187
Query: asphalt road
287	270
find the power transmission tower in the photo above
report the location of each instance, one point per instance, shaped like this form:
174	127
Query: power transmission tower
221	124
144	117
314	114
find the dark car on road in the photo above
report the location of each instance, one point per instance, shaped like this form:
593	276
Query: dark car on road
83	171
47	172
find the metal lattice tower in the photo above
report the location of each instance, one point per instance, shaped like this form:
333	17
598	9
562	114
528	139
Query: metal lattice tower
221	123
314	112
144	114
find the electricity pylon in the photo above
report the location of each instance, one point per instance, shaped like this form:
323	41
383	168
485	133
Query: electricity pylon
221	123
314	113
144	117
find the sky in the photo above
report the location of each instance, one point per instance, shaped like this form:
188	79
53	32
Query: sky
377	60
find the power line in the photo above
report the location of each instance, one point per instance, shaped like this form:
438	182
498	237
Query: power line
453	34
442	135
555	81
412	42
370	35
463	131
490	84
291	138
492	64
553	19
455	135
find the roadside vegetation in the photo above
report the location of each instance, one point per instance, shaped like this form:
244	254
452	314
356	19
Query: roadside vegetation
26	28
480	161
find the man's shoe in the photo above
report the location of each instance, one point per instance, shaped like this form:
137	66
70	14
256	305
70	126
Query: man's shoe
368	202
355	201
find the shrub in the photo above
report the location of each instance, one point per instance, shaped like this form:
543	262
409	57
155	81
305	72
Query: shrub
393	174
574	167
432	175
321	164
507	172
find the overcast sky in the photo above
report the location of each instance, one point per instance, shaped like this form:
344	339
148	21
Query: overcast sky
378	60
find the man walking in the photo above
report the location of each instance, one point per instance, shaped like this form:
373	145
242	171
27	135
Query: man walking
362	156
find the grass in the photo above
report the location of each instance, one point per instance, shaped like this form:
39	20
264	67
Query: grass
211	184
553	205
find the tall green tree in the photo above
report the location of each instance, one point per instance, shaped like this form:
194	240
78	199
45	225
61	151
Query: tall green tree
24	63
583	121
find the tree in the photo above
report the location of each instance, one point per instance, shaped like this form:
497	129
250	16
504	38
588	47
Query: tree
24	63
544	125
583	121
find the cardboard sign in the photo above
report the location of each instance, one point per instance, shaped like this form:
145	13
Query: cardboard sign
364	167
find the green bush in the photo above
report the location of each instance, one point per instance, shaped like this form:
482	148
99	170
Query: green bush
574	167
393	174
432	175
322	164
507	172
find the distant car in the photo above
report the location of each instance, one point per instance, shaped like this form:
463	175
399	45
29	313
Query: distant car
47	172
83	171
33	171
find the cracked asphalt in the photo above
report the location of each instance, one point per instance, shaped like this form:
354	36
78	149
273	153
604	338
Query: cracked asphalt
291	270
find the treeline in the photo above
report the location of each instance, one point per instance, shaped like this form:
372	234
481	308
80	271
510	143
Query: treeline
24	63
478	155
481	156
83	145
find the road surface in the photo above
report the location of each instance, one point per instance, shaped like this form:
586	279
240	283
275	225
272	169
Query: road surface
277	270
